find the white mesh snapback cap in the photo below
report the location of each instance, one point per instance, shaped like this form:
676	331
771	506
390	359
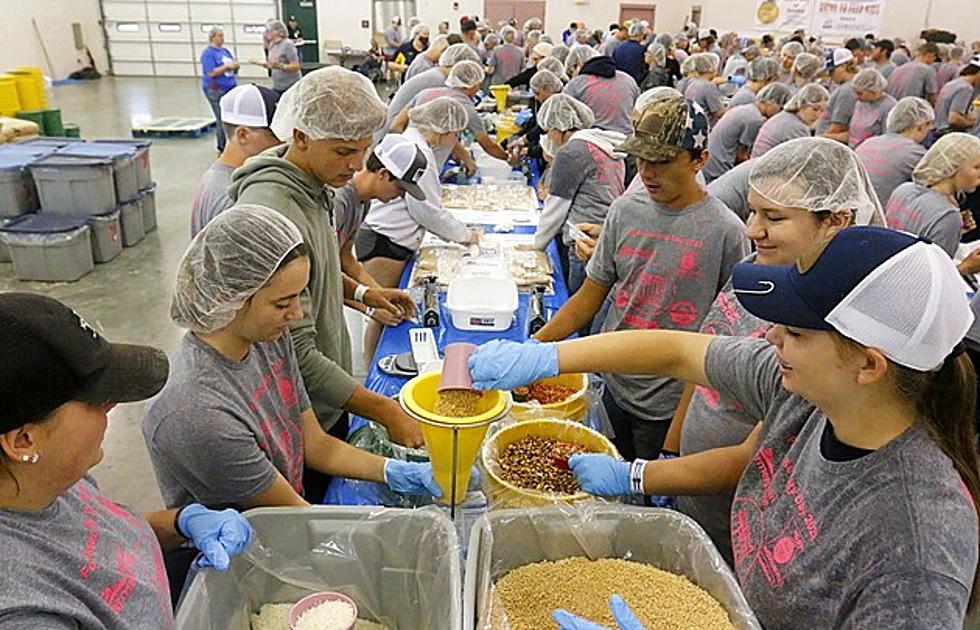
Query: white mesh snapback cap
882	288
249	105
404	161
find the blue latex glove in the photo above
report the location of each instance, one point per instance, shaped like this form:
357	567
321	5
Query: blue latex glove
500	364
625	619
411	478
601	475
737	79
218	535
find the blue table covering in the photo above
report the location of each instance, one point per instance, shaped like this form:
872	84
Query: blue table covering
395	340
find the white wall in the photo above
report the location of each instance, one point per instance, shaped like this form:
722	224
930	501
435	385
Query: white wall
341	19
54	18
599	14
432	12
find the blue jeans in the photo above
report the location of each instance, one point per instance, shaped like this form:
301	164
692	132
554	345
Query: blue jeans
214	100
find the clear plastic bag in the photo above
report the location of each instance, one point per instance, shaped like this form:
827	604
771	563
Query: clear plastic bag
401	567
54	239
665	539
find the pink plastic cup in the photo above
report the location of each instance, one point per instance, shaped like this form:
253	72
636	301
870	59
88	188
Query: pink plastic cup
456	368
314	600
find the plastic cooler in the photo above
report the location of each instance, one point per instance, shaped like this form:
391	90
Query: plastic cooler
131	215
107	240
125	173
148	204
16	187
504	540
144	175
401	567
68	184
49	247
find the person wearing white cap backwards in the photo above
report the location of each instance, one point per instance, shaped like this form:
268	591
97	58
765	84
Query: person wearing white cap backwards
329	115
855	498
841	66
246	114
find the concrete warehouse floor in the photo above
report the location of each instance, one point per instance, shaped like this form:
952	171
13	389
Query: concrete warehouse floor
128	299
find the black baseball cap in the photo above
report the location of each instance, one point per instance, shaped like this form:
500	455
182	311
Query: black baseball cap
49	355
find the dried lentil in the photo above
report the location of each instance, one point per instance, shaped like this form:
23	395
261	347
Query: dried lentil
458	403
530	463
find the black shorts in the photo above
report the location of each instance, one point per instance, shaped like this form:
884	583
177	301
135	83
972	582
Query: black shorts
369	244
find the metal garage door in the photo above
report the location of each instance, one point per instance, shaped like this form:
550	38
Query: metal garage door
161	38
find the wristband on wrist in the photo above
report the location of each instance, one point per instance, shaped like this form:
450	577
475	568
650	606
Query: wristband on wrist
177	523
360	291
636	476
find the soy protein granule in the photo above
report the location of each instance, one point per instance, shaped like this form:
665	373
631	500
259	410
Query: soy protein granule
458	403
660	599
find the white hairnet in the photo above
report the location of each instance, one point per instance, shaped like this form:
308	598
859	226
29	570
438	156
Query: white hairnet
532	23
582	33
807	66
562	112
276	26
809	94
775	93
869	80
658	52
560	52
547	81
819	175
653	95
687	66
542	49
456	53
791	48
908	112
705	62
636	28
491	38
665	40
762	69
441	115
508	34
233	257
554	66
438	42
329	104
946	157
465	74
899	57
576	58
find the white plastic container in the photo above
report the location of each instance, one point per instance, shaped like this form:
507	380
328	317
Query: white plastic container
482	303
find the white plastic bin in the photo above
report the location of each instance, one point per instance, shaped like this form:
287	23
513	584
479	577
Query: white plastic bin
49	247
504	540
4	250
125	173
106	230
131	218
144	173
148	205
482	303
70	185
401	568
16	187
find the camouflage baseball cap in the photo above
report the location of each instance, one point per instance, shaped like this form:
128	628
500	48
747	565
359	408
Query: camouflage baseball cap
665	128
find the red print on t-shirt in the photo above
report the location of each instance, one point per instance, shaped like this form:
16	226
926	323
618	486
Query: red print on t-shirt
283	438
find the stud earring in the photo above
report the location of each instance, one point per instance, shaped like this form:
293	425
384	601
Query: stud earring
34	458
25	458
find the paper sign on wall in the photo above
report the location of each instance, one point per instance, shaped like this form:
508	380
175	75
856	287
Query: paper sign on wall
820	17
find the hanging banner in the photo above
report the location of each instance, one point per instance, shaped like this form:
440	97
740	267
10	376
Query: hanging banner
783	15
847	17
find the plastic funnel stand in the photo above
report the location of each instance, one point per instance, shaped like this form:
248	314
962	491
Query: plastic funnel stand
314	600
456	368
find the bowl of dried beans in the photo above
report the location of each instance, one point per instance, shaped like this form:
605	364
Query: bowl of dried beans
564	396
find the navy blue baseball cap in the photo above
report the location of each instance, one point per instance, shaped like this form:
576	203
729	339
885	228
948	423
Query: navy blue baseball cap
880	287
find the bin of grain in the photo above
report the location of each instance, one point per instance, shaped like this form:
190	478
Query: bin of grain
524	462
564	396
401	568
577	556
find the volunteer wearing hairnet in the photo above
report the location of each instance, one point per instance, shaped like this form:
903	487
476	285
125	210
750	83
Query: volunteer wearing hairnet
405	54
954	105
702	90
72	557
392	232
841	68
650	242
539	59
234	425
927	205
787	59
687	72
866	405
330	116
806	67
282	58
560	52
552	65
731	139
917	77
657	73
797	119
527	142
507	59
585	176
576	59
872	108
761	72
430	58
890	158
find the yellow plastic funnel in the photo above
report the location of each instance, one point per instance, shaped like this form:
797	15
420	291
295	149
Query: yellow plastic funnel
500	94
453	443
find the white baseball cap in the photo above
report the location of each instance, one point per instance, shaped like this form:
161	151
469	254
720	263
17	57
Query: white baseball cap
838	57
249	105
404	160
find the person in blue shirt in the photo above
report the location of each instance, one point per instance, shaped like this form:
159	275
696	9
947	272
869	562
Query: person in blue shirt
630	56
219	77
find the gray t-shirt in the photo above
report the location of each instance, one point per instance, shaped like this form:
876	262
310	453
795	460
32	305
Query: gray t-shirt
212	196
409	90
781	128
664	268
956	96
744	96
682	84
840	108
713	421
869	119
912	79
348	213
284	52
886	68
707	95
926	212
506	61
888	540
738	128
889	160
420	64
247	411
474	124
611	99
588	177
732	189
82	562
